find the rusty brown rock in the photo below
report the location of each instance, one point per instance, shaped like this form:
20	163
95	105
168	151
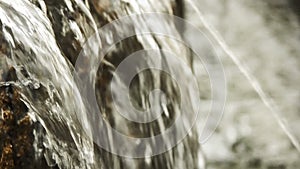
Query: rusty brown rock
6	161
16	130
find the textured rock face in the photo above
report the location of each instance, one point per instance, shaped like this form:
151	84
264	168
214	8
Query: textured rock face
16	126
16	130
39	44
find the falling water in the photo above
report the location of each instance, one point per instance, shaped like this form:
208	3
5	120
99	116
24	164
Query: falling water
44	77
45	55
40	43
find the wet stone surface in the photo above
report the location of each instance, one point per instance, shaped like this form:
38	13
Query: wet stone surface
16	130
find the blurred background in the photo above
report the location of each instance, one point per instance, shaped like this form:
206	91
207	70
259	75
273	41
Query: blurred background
265	36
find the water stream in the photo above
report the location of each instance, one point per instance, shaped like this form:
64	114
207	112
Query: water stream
42	40
82	69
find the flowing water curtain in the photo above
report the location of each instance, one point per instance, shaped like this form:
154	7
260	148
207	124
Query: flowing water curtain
41	40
